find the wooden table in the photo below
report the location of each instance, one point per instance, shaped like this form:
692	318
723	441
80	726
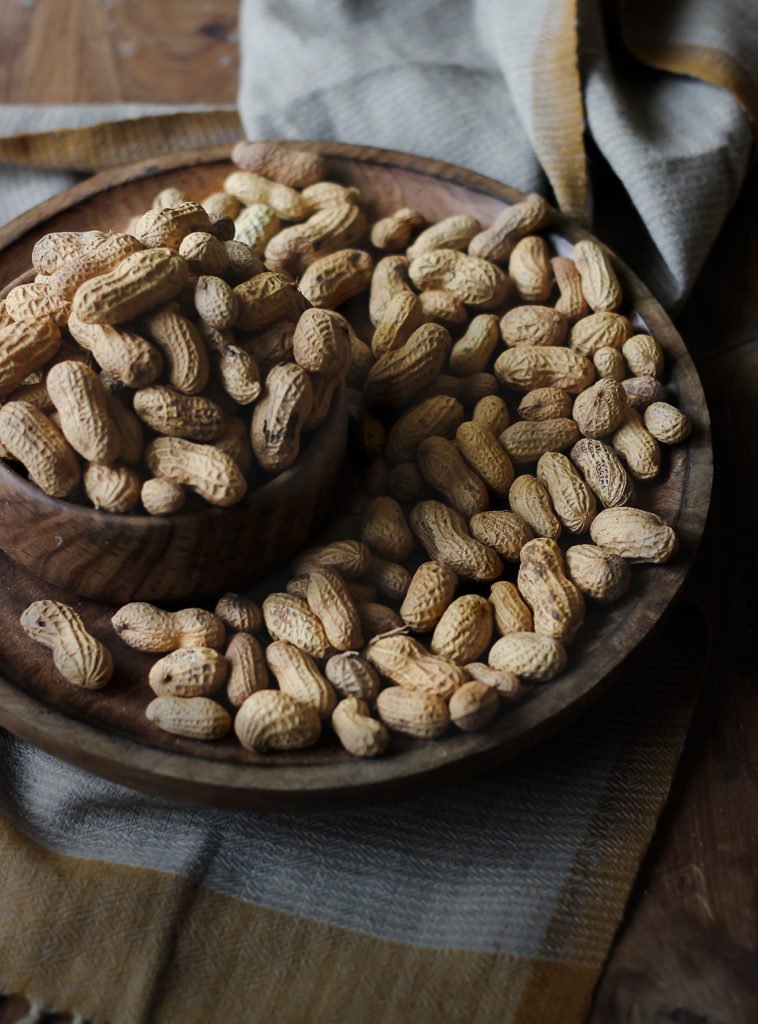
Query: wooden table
687	951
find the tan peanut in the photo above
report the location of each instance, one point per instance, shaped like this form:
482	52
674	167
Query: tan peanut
280	162
429	594
643	355
53	250
85	418
238	373
266	299
402	315
609	363
320	343
321	194
385	530
453	232
397	376
188	672
405	482
329	599
289	618
244	262
529	367
168	197
377	619
219	204
197	718
599	330
273	720
573	501
526	440
433	417
634	534
79	657
506	532
297	675
216	301
444	536
443	468
139	283
600	285
529	499
24	347
249	187
604	473
465	629
421	715
637	446
511	614
352	676
112	488
394	231
572	303
36	301
248	672
280	415
30	438
147	628
531	657
239	614
485	456
545	404
129	358
406	663
600	409
350	558
204	253
491	412
514	222
256	225
475	282
293	249
98	257
666	423
643	391
211	473
359	733
473	706
533	325
390	578
389	278
337	277
168	226
183	348
272	345
173	414
529	269
442	306
161	497
599	574
505	684
472	352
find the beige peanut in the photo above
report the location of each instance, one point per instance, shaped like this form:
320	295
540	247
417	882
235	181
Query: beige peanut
29	437
248	672
211	473
529	269
473	706
330	281
188	672
397	376
634	534
161	497
329	598
512	615
531	657
280	415
444	535
359	733
352	676
394	231
405	662
514	222
197	718
281	162
599	282
505	532
138	284
444	469
475	282
599	574
545	404
433	417
465	629
24	347
557	604
485	456
147	628
573	501
79	657
533	325
289	618
112	488
638	448
173	414
472	352
528	367
183	348
421	715
429	593
453	232
666	423
603	471
529	499
239	614
527	440
297	674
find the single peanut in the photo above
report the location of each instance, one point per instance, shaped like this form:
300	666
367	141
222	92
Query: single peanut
531	657
533	325
421	715
475	282
352	676
599	574
138	284
637	446
350	558
526	440
511	614
359	733
336	277
530	270
188	672
248	672
385	529
280	162
31	439
643	355
77	655
545	404
634	534
599	330
572	499
485	456
572	303
161	497
514	222
183	348
402	315
24	347
394	231
289	618
444	535
239	614
273	720
540	366
147	628
666	423
112	488
249	187
529	499
505	532
397	376
197	718
329	599
433	417
465	629
173	414
297	675
600	285
473	706
405	662
603	471
211	473
453	232
491	412
280	415
472	352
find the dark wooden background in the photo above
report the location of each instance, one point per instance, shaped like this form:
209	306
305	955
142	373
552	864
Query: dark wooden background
687	951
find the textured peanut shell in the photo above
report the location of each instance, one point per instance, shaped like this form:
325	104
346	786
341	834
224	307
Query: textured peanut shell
475	282
82	404
421	715
289	618
173	414
572	303
557	604
402	315
394	231
643	356
320	343
485	456
634	534
147	628
545	404
197	718
531	657
642	391
100	256
529	499
637	447
453	232
473	350
122	354
514	222
138	284
599	330
248	672
272	720
505	684
329	599
24	347
286	164
352	676
389	278
526	440
168	226
397	376
491	412
211	473
609	363
444	535
79	657
359	733
406	663
572	499
239	614
266	299
36	301
600	409
184	351
431	590
512	615
112	488
529	367
53	250
321	194
188	672
293	249
30	438
161	497
533	325
666	423
215	301
350	558
529	268
220	204
506	532
434	417
279	417
298	675
465	629
385	530
599	282
390	578
603	471
599	574
473	706
438	304
244	262
444	469
250	187
377	619
337	277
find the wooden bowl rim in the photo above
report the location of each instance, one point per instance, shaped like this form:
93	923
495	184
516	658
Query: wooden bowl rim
341	783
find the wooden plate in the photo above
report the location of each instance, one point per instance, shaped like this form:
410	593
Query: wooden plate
106	732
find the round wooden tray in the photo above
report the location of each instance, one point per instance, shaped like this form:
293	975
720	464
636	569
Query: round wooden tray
106	731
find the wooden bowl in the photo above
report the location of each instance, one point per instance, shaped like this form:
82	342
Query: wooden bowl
106	731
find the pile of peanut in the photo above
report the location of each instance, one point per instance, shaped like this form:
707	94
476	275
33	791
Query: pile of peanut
502	403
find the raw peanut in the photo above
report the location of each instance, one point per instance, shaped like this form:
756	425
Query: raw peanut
600	285
637	447
266	299
397	376
394	232
573	501
298	676
329	599
82	403
605	476
352	676
350	558
132	360
444	536
211	473
289	618
506	532
256	225
666	423
472	352
390	578
323	392
600	409
359	733
129	430
476	282
598	574
321	194
281	162
161	497
272	720
491	412
643	355
188	672
279	417
24	347
52	251
238	373
609	363
33	394
244	262
443	469
249	188
511	614
441	305
173	414
112	488
429	593
377	619
526	440
505	684
220	204
434	417
168	197
384	529
147	628
634	534
514	222
545	404
530	367
643	391
390	277
97	258
272	346
473	706
531	657
333	279
36	302
529	269
572	303
216	301
464	630
167	227
402	315
533	325
529	499
484	454
335	227
248	672
183	348
599	330
405	481
421	715
320	343
197	718
239	614
298	586
235	441
77	655
451	233
406	663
